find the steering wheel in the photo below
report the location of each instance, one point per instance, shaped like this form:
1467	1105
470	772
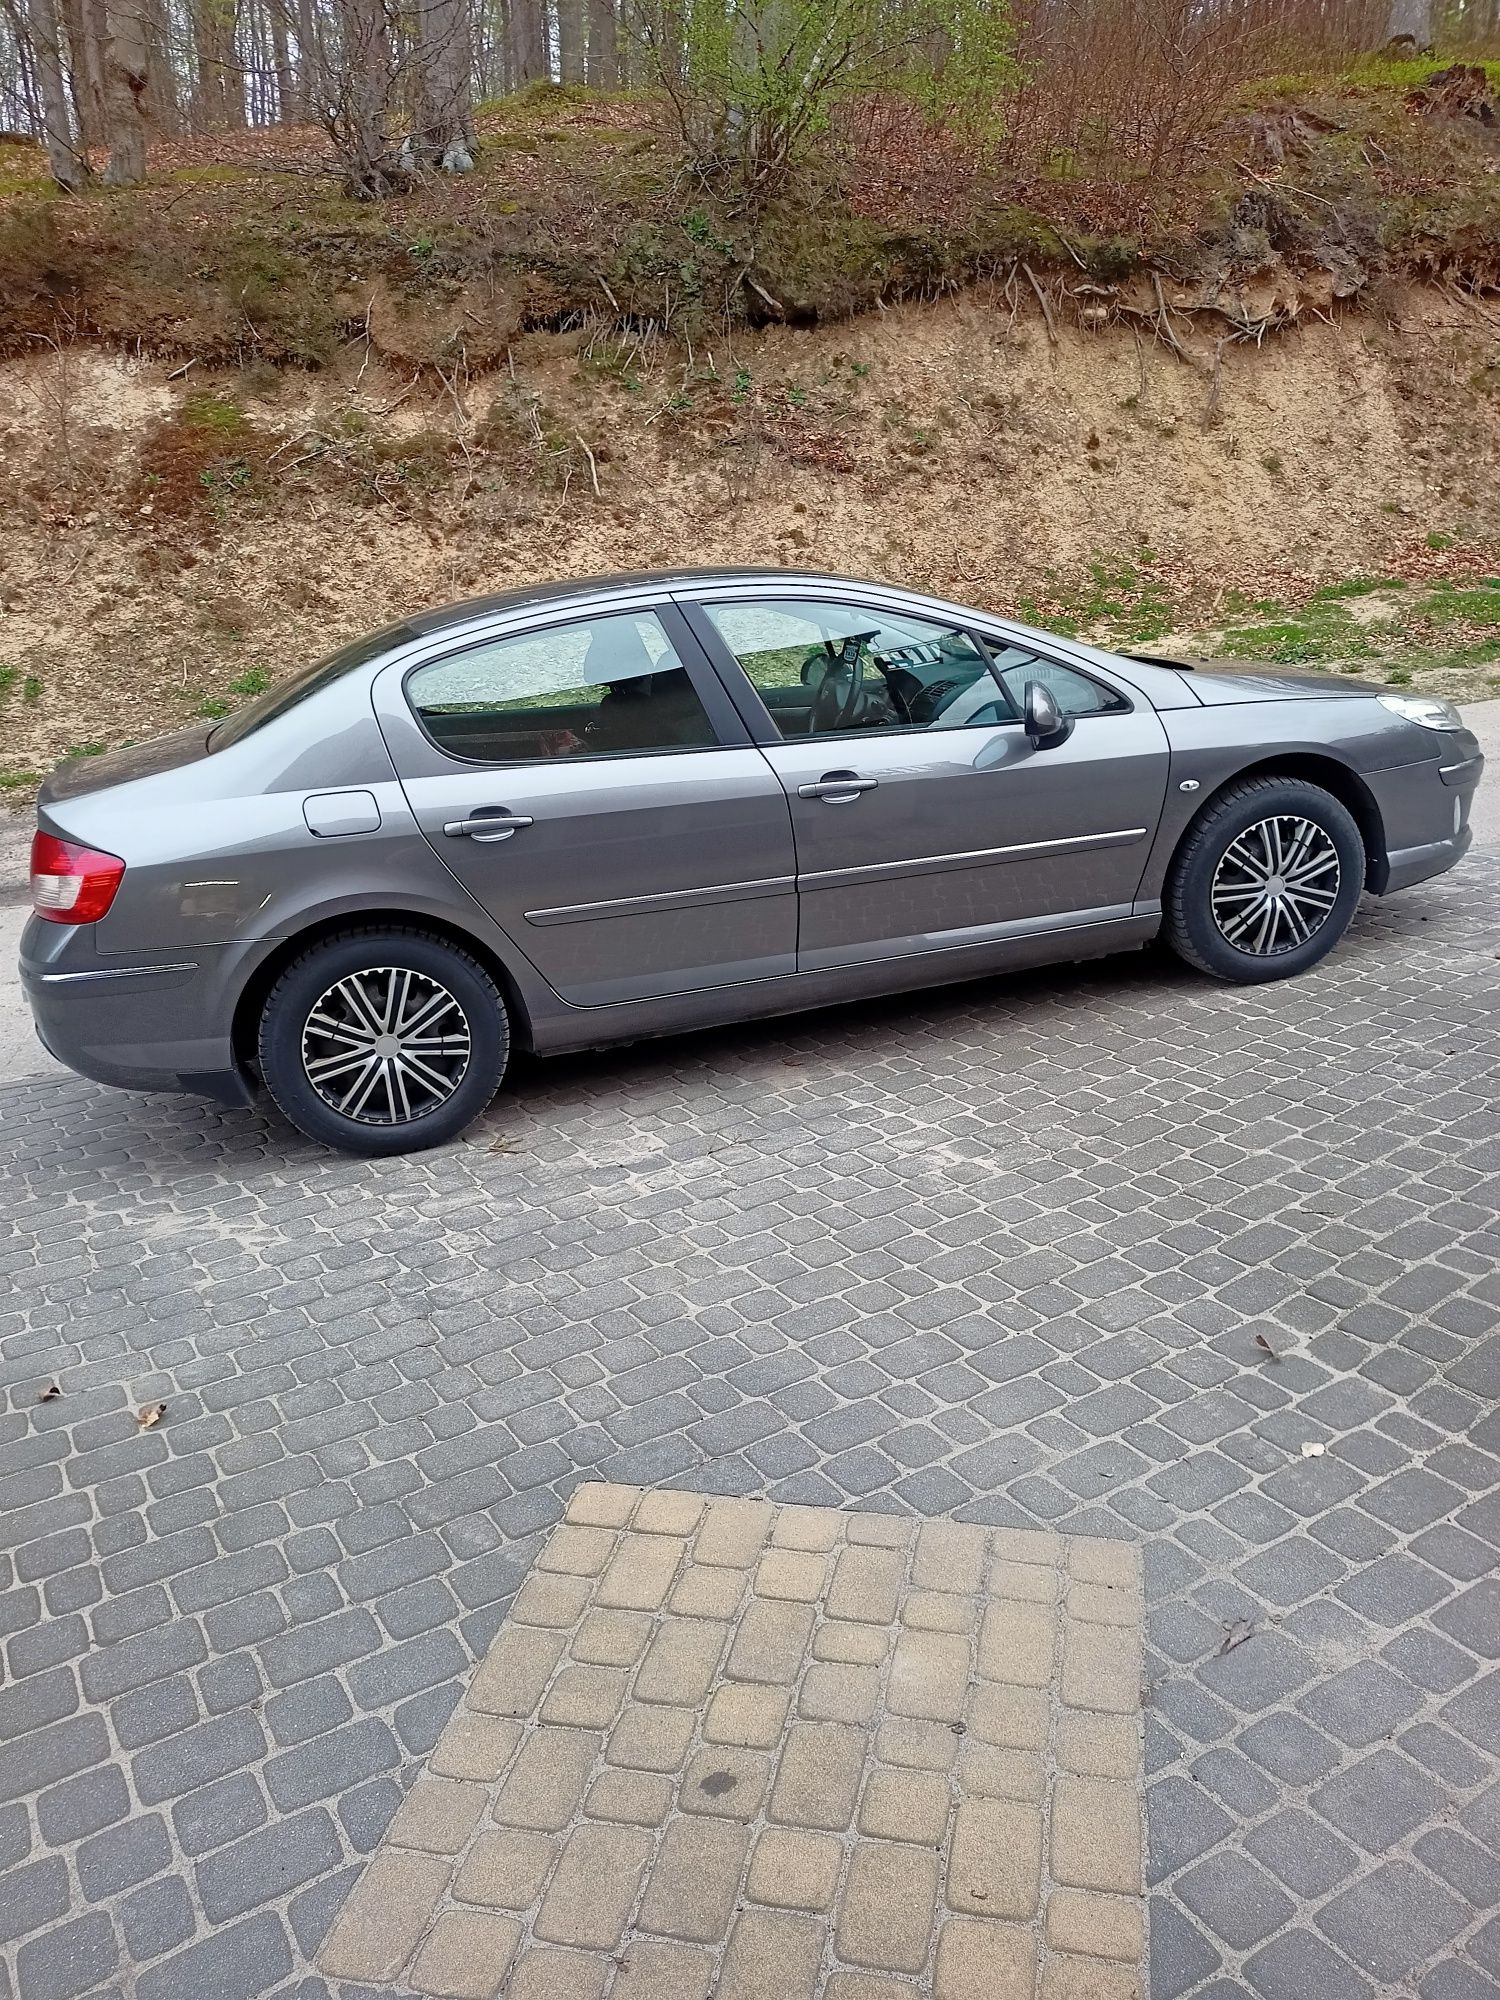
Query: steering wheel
837	700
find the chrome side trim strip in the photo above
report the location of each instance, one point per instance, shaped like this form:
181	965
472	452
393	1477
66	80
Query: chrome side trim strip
936	864
114	972
670	899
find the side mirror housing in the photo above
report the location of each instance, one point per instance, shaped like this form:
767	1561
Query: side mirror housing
1046	724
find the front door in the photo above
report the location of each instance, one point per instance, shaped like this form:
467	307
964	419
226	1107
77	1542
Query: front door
589	784
924	817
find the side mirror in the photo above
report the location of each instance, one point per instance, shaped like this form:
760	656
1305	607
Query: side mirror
1046	724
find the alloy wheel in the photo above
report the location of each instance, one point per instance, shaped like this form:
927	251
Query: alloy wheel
1276	885
386	1046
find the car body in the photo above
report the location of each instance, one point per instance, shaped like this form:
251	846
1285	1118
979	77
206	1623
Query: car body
722	832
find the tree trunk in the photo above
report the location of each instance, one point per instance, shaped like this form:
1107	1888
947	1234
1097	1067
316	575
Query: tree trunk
443	124
161	86
309	59
287	111
529	61
570	51
63	162
357	87
604	49
1413	18
85	72
122	43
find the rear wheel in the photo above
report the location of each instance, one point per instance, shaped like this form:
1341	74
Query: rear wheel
1265	881
383	1041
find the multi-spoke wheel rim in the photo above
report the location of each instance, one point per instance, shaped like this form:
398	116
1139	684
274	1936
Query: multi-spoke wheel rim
1276	886
386	1046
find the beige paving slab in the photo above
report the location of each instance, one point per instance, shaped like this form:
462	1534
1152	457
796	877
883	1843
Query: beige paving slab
727	1749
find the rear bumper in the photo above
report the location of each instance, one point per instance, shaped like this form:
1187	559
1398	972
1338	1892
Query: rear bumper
147	1026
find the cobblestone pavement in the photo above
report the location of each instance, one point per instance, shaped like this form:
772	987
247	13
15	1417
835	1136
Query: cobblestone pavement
1102	1249
779	1753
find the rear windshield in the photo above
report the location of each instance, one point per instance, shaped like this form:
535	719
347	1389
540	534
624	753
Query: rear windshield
277	700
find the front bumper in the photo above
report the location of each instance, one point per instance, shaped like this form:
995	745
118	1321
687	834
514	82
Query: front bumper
162	1025
1424	809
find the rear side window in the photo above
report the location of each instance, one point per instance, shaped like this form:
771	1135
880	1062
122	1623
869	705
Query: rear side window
1075	693
598	687
312	680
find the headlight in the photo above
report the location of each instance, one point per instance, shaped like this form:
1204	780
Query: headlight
1430	710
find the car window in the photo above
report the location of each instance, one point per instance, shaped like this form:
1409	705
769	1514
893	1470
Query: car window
310	681
827	669
600	687
1075	693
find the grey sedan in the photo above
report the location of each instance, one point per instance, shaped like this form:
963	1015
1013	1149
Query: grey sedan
586	813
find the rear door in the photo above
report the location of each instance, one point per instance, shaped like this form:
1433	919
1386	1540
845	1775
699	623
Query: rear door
588	782
924	817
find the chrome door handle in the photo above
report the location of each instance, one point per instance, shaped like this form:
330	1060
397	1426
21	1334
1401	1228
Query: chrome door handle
837	788
498	825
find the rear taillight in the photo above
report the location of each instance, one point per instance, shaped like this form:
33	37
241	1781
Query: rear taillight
72	884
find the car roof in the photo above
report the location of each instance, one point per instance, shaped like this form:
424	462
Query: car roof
582	588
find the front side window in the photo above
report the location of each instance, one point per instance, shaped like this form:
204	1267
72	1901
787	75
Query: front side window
826	669
601	687
1075	693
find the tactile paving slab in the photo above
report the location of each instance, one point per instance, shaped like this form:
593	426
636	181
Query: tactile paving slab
721	1747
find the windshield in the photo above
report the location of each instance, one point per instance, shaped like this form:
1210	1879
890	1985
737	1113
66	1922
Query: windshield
277	700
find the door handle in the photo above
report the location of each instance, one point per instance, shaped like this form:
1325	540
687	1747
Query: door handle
489	823
837	788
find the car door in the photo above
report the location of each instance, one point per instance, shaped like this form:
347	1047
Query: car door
588	782
925	818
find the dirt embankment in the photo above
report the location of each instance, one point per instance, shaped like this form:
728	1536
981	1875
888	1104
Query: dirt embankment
175	540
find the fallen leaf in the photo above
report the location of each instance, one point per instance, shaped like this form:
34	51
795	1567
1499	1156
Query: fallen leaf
1236	1632
1265	1346
149	1414
51	1393
1312	1451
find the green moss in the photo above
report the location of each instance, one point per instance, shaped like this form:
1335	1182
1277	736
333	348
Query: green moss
214	415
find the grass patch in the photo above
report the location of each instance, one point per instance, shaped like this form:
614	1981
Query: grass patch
1118	601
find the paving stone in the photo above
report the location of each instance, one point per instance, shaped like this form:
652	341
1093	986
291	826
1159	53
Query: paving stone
466	1956
1234	1899
439	1815
818	1777
771	1957
378	1928
695	1882
1108	1927
981	1961
792	1870
994	1867
506	1870
1096	1835
1392	1921
545	1786
729	1784
886	1912
593	1891
1298	1964
558	1975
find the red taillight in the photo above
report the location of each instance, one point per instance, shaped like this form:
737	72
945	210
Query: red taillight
72	884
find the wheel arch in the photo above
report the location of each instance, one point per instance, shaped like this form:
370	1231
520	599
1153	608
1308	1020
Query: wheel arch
1314	768
253	994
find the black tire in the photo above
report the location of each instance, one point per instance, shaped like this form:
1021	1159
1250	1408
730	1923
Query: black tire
1210	886
407	971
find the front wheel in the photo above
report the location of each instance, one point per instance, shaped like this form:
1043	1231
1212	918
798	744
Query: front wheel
1265	882
383	1041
